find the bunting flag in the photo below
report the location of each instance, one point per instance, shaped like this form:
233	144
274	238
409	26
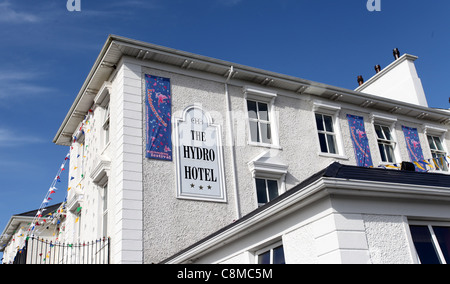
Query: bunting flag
434	164
158	105
360	141
414	148
40	212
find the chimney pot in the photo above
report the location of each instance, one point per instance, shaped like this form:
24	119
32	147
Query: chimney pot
377	68
396	53
360	80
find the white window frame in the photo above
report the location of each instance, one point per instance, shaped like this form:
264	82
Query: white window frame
385	142
270	249
105	208
326	108
102	100
435	131
389	122
326	133
264	166
266	189
106	126
267	97
430	225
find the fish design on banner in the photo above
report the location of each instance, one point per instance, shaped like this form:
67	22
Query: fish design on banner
360	141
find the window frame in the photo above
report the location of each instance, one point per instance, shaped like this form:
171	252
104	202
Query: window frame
389	122
435	131
105	207
266	97
438	153
327	134
266	166
435	242
269	248
385	143
260	121
333	110
266	189
102	100
106	125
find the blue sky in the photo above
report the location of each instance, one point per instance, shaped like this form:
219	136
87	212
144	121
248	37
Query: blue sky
46	53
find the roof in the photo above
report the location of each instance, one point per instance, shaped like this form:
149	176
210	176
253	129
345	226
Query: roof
341	172
33	213
17	219
117	47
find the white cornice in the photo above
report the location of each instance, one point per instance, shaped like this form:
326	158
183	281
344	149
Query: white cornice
315	191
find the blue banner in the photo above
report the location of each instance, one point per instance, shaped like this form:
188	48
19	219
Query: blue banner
414	148
360	141
158	105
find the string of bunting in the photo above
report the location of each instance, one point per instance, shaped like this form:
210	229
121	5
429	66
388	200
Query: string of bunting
40	214
41	218
427	164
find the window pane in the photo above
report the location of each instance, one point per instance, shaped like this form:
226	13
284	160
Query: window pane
424	246
264	258
431	142
382	152
331	144
441	162
105	197
251	106
379	132
261	191
387	133
390	153
328	123
323	143
278	255
443	237
266	136
438	143
319	122
272	187
254	131
263	111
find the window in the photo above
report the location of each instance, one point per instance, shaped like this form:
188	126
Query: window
386	143
437	152
327	136
105	125
271	255
259	122
269	173
261	117
432	243
266	190
105	210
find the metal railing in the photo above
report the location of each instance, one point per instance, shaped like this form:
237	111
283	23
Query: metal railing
41	251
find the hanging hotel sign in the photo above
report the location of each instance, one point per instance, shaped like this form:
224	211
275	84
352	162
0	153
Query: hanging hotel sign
199	157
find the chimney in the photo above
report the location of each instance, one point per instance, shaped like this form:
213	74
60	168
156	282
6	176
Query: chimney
396	53
377	68
360	80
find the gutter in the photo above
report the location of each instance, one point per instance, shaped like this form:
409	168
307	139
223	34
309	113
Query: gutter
231	146
91	74
4	237
316	89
